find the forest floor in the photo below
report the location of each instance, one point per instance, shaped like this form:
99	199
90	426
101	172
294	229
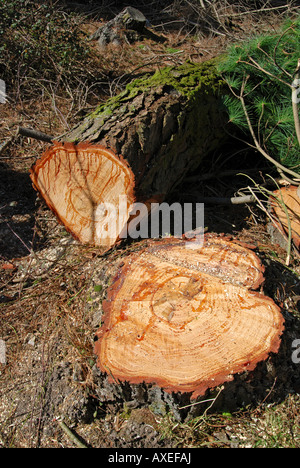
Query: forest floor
51	287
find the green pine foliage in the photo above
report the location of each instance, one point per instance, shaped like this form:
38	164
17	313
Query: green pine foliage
263	69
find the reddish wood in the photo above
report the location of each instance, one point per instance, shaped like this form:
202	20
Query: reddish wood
187	319
76	181
290	197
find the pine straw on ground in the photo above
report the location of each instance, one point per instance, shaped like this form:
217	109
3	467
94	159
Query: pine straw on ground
51	288
51	311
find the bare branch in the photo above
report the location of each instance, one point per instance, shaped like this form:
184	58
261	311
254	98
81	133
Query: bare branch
261	10
36	134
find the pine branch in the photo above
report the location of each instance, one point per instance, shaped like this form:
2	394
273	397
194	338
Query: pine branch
256	65
257	145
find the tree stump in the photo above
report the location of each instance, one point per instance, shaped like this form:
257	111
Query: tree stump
182	321
139	145
128	21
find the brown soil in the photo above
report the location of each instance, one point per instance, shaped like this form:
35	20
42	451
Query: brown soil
51	292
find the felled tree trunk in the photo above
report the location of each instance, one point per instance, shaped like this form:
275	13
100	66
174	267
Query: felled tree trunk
180	320
139	145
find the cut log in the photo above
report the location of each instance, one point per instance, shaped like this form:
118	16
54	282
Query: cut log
286	207
150	136
186	320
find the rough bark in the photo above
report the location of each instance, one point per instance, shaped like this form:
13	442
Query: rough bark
162	125
178	321
158	130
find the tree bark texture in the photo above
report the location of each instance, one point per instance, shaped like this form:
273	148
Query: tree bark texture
162	125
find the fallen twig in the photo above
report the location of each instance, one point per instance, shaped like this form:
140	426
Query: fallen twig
36	134
260	10
70	434
227	201
15	234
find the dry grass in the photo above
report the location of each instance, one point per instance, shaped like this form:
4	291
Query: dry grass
50	296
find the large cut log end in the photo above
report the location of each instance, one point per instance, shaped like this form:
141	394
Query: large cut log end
185	319
86	186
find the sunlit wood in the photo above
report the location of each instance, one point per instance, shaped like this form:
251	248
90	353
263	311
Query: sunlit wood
187	319
83	186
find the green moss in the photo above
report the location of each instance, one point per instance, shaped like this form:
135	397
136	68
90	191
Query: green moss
188	79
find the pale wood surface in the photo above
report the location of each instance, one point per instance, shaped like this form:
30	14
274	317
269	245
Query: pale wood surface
185	319
78	183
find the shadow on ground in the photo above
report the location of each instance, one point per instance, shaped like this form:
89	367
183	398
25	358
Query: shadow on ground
17	213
